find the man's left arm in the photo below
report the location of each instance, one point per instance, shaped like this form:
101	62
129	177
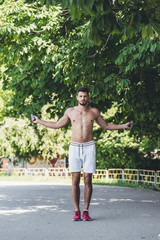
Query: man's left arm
108	126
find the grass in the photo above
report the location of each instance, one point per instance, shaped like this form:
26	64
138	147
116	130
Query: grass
35	179
125	184
64	180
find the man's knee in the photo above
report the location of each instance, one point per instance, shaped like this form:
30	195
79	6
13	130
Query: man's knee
87	178
75	178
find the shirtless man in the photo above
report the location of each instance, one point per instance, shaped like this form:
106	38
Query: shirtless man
82	147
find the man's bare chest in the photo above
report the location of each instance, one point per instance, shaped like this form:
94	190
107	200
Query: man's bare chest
82	117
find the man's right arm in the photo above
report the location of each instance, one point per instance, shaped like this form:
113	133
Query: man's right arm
55	125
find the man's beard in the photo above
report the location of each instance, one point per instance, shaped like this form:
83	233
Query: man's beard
83	104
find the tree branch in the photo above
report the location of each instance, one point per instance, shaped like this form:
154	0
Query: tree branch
66	20
141	83
92	56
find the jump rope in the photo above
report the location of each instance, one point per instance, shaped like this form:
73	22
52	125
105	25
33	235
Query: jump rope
39	136
97	152
115	140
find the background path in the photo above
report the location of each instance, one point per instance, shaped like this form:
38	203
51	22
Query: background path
44	212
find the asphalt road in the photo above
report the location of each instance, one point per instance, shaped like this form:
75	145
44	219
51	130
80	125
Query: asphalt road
45	211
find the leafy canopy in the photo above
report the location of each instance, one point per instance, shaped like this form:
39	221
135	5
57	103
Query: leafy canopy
123	17
46	57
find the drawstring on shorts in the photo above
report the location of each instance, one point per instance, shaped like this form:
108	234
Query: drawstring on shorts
81	146
79	149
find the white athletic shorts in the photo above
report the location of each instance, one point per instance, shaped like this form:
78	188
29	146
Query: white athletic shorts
82	155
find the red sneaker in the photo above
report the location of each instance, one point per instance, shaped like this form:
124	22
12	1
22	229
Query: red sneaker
77	216
86	216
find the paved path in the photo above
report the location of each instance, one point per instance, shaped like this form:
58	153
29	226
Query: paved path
44	212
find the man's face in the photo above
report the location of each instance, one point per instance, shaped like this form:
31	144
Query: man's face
82	98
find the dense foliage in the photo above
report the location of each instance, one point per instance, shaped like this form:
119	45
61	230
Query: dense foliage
123	17
19	139
113	47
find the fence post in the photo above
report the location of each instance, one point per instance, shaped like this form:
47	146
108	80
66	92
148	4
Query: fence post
138	178
26	173
66	173
122	175
106	175
155	177
46	172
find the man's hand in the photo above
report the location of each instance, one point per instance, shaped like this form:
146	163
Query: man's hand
34	119
129	125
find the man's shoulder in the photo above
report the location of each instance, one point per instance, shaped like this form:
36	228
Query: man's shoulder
69	110
95	111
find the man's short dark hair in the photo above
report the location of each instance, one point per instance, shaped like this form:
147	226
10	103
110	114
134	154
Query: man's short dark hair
83	89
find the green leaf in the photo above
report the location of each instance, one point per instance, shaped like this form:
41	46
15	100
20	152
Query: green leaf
148	61
150	30
156	27
144	31
88	5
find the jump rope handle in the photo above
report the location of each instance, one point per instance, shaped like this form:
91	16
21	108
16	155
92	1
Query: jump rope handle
32	116
131	124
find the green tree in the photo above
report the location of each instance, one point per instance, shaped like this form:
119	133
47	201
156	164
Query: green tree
19	139
32	49
5	97
127	18
47	57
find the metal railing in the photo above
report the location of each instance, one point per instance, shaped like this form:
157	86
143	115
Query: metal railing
131	176
100	175
134	176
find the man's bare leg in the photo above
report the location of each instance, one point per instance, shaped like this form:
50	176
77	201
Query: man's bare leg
76	189
87	189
